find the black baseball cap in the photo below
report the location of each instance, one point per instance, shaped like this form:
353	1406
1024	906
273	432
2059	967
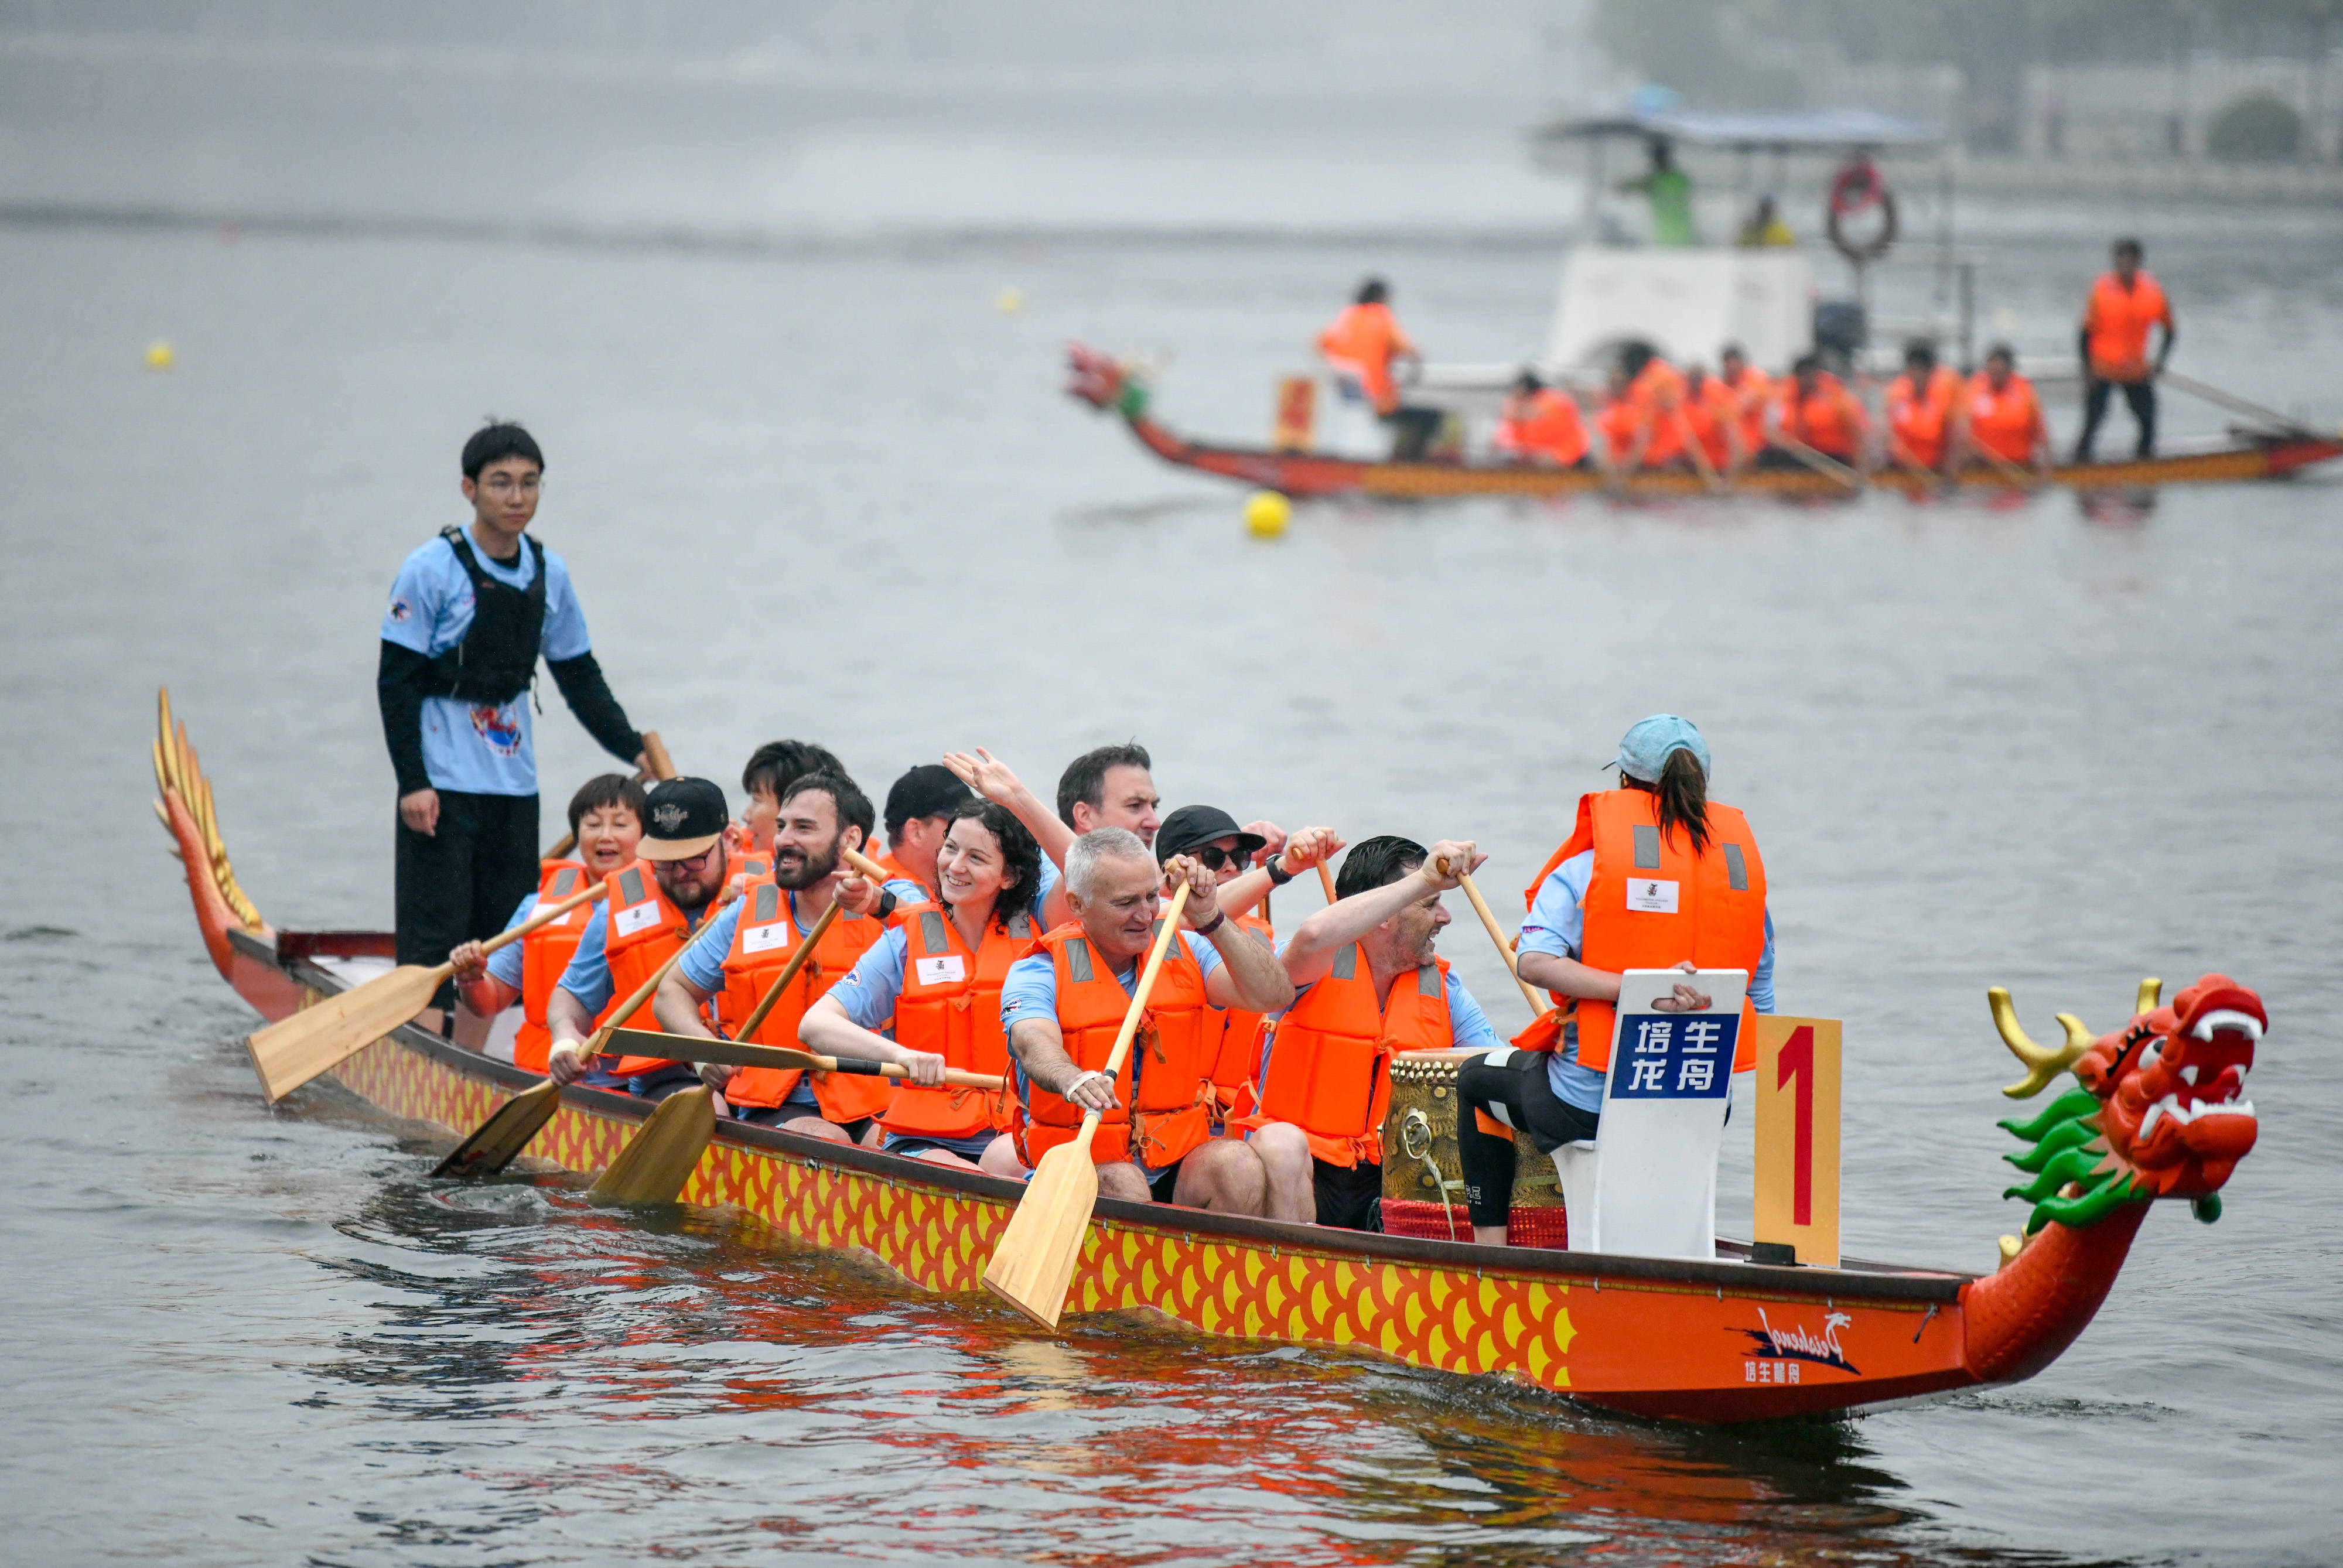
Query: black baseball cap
1192	826
931	789
682	816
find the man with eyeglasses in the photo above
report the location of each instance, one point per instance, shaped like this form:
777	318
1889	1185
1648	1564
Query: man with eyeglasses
655	906
469	615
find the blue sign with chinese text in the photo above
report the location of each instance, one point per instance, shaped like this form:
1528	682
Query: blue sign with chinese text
1674	1056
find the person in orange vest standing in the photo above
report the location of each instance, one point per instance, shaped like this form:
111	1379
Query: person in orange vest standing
2125	302
1540	425
1063	1006
1367	986
1364	348
605	819
2001	417
1921	409
1654	876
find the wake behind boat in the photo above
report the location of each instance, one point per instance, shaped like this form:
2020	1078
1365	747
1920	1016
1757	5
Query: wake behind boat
2159	1112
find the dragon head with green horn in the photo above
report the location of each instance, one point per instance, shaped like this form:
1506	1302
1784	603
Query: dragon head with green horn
2161	1111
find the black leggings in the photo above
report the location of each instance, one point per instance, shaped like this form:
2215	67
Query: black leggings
2140	394
1512	1086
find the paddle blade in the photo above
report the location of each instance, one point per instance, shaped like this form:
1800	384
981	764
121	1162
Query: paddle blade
1034	1264
506	1133
654	1166
290	1052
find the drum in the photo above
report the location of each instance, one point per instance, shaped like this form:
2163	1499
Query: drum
1423	1172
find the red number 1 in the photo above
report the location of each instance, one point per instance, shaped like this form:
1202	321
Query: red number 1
1797	1060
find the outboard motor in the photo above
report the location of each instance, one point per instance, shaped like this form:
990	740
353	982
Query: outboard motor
1841	331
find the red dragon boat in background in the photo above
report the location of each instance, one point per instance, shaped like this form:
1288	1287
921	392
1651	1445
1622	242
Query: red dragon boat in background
2159	1112
1105	384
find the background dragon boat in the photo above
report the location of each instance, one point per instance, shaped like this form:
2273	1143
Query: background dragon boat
2159	1112
1104	384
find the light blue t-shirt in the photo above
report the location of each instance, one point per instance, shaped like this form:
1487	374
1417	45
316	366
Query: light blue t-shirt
1468	1027
505	963
703	961
468	746
1557	925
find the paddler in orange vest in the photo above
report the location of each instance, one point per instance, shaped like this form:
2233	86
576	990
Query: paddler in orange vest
1063	1007
1753	393
919	809
742	950
1368	986
1364	348
1655	875
2001	415
605	819
2125	304
1814	409
1922	407
1540	427
937	973
1654	394
1713	416
654	906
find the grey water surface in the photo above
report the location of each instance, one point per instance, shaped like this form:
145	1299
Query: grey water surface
828	489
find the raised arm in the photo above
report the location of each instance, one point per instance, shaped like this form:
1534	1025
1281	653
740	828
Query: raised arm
1249	976
1308	847
1311	953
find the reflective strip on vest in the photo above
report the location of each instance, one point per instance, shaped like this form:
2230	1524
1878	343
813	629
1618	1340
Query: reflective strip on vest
769	904
565	882
1647	848
1078	960
1346	962
630	885
931	930
1737	868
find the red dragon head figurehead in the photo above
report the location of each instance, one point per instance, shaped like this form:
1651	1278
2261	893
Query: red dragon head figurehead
2161	1112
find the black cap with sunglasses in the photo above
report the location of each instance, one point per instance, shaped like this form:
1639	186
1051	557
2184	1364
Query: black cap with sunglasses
1192	829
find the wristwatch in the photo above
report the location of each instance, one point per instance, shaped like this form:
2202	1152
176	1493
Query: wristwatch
1278	875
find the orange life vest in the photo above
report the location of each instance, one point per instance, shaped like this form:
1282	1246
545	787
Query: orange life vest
1652	903
1921	416
1655	395
1330	1060
1750	396
1828	420
1240	1040
764	939
1362	343
641	930
1616	423
1710	413
544	955
2007	422
1178	1038
1545	426
950	1005
2118	319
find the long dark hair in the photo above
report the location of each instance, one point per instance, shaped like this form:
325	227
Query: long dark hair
1682	790
1020	857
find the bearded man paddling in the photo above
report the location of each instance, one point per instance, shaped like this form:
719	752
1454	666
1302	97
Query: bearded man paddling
1064	1007
654	906
744	949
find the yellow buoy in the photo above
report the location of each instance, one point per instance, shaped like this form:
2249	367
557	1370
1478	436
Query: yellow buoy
1266	513
1008	301
160	356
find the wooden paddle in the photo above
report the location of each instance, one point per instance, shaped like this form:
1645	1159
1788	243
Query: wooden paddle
507	1131
2010	471
1497	935
1699	453
1034	1263
291	1051
740	1053
2285	424
1820	462
662	766
1326	880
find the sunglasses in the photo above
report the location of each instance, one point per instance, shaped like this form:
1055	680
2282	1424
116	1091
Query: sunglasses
1216	858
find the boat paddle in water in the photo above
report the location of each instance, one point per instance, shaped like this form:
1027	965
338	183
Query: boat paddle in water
289	1053
1034	1263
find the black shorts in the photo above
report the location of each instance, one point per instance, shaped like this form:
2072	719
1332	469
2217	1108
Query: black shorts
1163	1183
1349	1199
1512	1087
463	882
777	1115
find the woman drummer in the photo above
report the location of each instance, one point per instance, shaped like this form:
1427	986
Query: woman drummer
1656	876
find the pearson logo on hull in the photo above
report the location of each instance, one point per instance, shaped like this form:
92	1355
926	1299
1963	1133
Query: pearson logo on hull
1802	1344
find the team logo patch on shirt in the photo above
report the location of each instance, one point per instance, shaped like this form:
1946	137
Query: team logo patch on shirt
943	969
400	609
1652	898
499	727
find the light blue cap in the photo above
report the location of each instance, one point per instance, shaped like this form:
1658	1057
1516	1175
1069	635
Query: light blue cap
1644	749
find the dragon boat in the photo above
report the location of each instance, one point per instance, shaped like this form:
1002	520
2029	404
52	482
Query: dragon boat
2158	1112
1106	385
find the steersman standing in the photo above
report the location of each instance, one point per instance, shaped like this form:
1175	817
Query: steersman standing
469	615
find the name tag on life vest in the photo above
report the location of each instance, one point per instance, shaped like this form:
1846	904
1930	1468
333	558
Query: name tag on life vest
763	938
948	969
1652	898
636	917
